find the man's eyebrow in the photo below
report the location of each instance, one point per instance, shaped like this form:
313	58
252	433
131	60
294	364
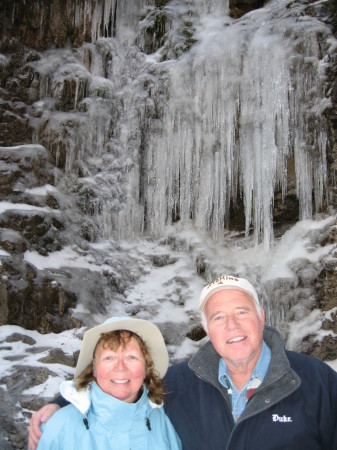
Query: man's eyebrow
215	313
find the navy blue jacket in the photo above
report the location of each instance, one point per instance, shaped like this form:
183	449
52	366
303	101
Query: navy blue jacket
294	408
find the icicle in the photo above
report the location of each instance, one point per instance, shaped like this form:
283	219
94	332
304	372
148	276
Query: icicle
183	140
238	111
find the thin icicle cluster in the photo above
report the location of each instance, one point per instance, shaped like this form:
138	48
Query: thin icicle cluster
183	140
248	97
107	17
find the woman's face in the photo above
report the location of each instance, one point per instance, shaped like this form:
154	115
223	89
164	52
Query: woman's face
120	373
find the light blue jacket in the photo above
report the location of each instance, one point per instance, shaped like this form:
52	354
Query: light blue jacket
111	424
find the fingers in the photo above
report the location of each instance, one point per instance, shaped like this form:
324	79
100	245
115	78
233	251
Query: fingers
39	417
34	430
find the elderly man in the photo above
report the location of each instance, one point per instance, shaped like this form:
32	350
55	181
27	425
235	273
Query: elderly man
242	390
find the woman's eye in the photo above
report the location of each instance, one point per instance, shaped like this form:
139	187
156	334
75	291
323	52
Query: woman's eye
109	358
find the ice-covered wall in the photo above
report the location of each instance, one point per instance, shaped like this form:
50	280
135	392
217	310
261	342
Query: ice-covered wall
247	97
212	118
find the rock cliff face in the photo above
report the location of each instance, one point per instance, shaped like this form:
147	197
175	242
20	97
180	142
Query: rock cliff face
32	157
27	29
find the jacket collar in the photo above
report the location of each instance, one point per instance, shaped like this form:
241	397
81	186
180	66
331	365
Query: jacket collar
94	398
205	363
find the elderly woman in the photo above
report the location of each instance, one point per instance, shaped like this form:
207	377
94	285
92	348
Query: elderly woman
116	398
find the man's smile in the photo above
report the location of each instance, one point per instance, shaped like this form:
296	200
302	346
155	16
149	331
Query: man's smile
236	339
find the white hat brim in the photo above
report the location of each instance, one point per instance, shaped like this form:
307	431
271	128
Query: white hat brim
149	332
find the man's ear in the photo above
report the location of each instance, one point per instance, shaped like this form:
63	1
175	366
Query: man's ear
263	317
204	324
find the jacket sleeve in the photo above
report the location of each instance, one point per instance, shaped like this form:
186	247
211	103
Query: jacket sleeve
59	400
319	387
329	423
52	432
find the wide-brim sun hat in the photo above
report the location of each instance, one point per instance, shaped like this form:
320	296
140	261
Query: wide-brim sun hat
227	282
148	331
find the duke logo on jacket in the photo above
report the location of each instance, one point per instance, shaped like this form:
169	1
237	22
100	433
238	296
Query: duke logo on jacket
277	418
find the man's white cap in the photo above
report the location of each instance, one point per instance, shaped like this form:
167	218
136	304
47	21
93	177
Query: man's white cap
227	282
148	331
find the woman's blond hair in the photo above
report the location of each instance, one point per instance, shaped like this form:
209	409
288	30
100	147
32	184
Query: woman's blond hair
113	340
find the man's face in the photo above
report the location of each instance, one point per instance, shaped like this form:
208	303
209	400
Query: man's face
234	327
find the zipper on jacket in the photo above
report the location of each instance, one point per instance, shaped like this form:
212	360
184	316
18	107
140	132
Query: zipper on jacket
85	421
226	399
147	420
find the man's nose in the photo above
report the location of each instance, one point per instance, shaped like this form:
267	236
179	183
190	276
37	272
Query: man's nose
231	322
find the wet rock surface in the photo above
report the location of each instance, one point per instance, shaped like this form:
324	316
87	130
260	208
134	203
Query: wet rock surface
16	405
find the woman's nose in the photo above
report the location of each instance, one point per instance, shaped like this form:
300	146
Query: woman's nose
120	364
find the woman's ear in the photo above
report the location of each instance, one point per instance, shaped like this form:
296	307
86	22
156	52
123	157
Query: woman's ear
94	371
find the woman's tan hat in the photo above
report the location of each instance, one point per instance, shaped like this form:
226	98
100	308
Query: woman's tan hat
149	332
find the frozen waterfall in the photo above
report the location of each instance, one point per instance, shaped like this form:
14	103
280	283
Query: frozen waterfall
244	100
152	140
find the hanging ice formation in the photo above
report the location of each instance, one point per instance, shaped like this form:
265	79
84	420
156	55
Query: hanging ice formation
153	140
